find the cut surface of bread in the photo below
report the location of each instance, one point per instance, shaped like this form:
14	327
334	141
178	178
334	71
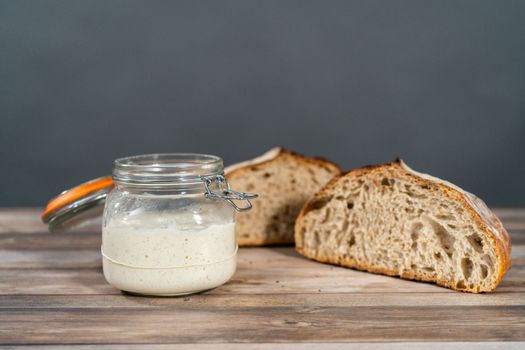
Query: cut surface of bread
284	181
392	220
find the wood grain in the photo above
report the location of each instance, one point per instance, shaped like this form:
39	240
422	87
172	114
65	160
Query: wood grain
293	346
194	324
52	291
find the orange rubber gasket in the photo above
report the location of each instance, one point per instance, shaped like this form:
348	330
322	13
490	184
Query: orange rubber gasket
76	193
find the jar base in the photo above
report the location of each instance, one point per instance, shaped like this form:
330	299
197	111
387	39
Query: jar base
169	282
167	295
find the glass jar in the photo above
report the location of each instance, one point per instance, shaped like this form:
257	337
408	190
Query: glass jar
169	225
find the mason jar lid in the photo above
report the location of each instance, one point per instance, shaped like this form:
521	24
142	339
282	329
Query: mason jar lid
78	206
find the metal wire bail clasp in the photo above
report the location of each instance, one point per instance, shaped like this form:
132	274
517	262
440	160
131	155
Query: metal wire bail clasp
226	193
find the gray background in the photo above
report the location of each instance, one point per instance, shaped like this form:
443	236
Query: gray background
439	83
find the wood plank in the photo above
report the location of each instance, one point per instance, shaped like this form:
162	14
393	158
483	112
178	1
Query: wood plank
276	257
504	213
292	346
91	281
51	241
211	300
21	220
50	259
54	281
245	281
517	237
194	324
512	219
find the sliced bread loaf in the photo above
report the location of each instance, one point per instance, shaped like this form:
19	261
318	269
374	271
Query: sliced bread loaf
392	220
284	181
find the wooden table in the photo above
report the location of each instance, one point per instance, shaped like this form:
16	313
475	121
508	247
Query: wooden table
52	291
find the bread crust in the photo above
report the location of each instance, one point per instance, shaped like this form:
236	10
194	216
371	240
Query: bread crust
261	165
322	162
480	213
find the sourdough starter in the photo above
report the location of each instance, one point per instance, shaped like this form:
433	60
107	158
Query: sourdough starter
170	260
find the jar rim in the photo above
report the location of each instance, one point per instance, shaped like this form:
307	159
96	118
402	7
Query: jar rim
166	169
